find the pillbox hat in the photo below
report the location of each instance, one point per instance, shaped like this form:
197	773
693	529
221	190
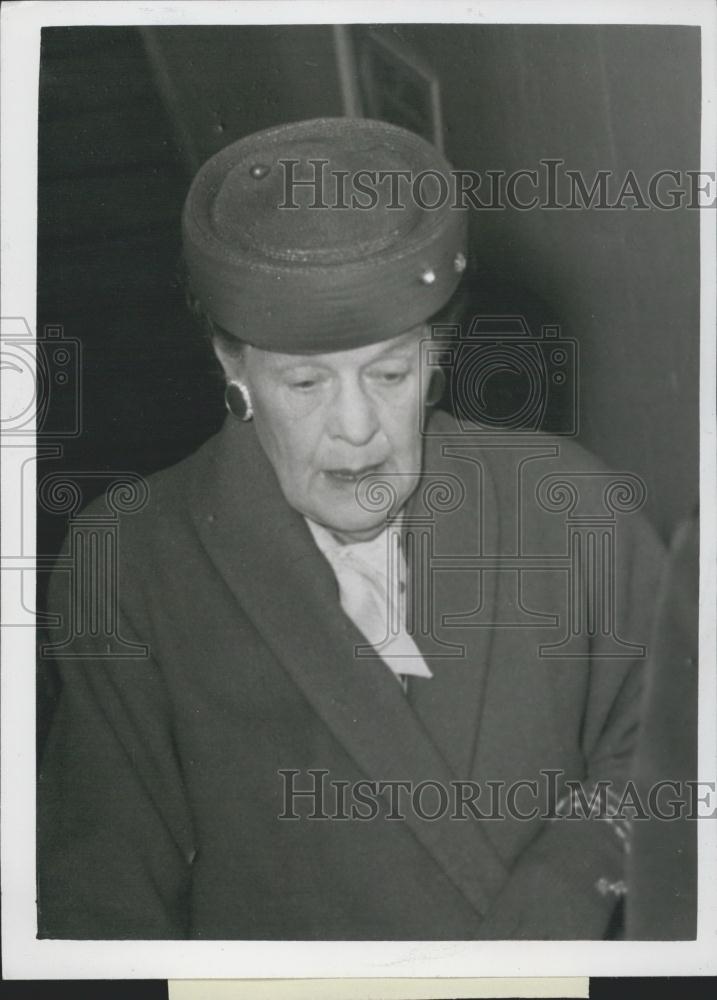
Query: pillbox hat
323	235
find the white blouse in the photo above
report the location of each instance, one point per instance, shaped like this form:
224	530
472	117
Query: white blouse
372	588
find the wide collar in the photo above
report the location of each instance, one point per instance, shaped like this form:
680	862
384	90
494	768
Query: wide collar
269	560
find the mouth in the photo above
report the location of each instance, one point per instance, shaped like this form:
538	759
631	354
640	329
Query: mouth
348	475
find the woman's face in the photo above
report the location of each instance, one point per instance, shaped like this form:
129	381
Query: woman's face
333	424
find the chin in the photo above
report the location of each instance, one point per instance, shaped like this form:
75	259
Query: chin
348	522
339	509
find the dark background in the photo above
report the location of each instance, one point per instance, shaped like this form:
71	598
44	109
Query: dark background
127	115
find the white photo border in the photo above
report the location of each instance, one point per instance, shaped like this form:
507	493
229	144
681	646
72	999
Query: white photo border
26	957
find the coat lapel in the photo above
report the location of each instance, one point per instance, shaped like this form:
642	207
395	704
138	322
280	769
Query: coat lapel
452	522
266	554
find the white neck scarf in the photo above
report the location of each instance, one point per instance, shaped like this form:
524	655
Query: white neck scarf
372	587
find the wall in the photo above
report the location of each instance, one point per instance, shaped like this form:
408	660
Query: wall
625	284
223	83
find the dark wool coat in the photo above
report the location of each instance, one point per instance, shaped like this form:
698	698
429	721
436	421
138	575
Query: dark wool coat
662	869
160	791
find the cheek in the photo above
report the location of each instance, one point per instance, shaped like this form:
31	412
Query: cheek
290	445
404	432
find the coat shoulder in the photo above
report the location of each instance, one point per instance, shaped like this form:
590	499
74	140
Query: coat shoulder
155	527
546	480
498	448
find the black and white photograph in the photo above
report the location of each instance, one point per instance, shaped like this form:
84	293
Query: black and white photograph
358	489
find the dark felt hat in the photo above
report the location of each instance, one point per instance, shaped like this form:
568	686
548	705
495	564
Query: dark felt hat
323	235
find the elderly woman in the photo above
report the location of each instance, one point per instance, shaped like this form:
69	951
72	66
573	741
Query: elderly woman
344	653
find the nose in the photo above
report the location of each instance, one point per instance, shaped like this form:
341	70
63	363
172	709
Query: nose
354	417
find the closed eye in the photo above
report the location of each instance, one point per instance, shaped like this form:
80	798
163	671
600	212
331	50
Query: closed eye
391	377
306	381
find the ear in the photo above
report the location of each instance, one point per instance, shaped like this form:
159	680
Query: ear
232	361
